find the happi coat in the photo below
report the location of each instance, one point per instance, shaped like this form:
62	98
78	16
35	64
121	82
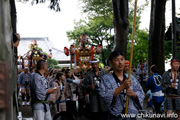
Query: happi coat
59	96
116	106
97	104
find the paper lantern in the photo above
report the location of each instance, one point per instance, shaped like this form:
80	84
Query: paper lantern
72	50
92	47
66	51
99	48
50	55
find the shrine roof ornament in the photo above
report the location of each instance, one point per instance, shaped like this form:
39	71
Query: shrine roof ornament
83	55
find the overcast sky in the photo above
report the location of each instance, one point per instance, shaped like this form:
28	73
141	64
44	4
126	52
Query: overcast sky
39	21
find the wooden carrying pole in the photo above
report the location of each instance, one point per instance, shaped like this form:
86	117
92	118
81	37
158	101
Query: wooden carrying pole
131	53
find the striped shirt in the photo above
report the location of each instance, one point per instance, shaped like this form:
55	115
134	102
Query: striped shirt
97	104
39	87
115	108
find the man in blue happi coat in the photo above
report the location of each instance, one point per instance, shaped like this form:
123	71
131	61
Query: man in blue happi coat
40	92
116	87
24	81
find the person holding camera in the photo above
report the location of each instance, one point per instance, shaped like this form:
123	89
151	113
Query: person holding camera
59	96
72	91
92	81
24	81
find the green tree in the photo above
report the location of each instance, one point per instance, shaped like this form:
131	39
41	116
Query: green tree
53	63
140	51
98	8
54	4
38	48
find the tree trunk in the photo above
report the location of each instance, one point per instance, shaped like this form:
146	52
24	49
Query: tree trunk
156	52
120	11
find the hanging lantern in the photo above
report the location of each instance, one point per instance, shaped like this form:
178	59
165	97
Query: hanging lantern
92	47
50	55
66	51
72	50
99	48
83	39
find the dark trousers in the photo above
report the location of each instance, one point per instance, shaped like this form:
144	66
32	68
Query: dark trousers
71	110
99	116
61	114
112	117
157	107
81	105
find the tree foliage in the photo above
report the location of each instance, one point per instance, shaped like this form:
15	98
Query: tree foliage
54	4
53	63
140	50
97	8
96	29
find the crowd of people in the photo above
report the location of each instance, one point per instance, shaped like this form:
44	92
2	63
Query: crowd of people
99	94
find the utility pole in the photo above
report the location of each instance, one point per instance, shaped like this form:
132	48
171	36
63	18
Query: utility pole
174	43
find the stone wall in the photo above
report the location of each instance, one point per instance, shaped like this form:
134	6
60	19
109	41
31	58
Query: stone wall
9	112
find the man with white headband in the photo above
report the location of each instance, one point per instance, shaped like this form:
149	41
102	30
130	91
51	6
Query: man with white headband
92	81
170	86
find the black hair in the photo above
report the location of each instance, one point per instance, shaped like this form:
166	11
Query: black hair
154	68
115	54
59	74
174	59
111	69
66	72
15	37
134	70
40	64
63	70
31	69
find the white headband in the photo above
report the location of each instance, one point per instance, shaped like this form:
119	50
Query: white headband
26	68
94	61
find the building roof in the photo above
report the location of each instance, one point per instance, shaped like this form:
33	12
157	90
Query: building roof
45	44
